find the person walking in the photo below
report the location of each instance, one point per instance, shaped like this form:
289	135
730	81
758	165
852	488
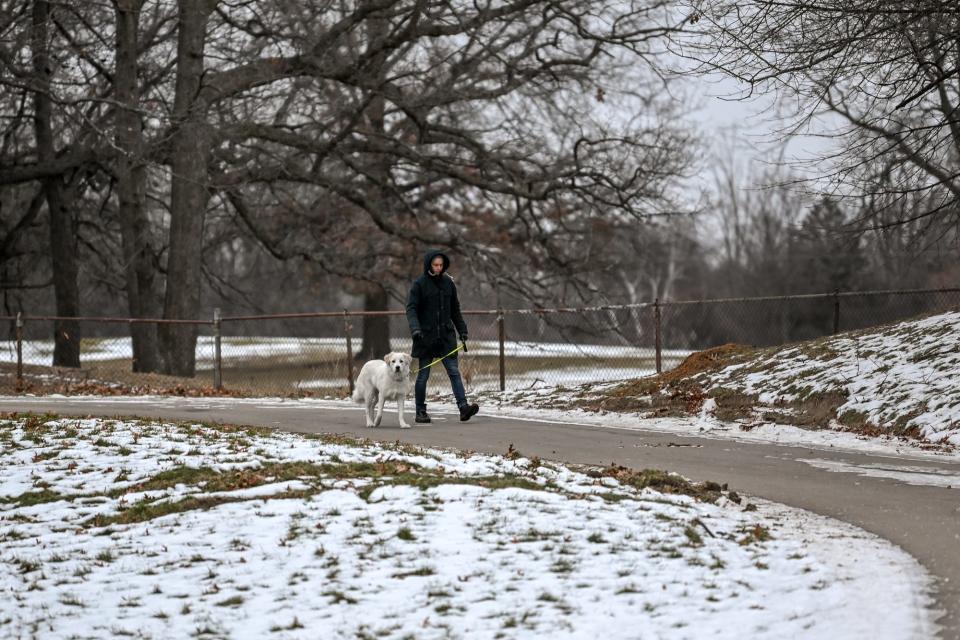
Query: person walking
433	312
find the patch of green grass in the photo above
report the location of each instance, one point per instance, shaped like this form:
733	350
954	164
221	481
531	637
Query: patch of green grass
695	539
296	624
661	481
32	498
406	534
731	403
532	535
562	566
610	496
35	421
205	630
27	566
171	478
142	512
421	572
233	601
46	455
72	601
337	597
756	533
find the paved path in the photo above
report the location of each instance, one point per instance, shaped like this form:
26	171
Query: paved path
922	519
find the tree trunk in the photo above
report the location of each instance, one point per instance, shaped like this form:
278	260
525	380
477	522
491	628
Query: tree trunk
190	153
63	251
376	329
131	179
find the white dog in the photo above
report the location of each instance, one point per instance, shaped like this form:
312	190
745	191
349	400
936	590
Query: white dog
382	380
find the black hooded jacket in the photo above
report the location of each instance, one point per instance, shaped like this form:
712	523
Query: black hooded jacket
434	309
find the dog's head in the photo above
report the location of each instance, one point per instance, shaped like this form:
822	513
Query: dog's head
399	363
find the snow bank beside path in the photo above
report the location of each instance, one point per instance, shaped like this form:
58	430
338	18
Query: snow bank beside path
898	377
159	530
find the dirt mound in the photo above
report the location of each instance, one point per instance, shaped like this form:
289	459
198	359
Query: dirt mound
673	392
706	361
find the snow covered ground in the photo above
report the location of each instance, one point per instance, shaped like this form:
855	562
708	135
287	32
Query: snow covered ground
897	377
159	530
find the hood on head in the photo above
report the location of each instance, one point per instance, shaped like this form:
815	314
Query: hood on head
433	253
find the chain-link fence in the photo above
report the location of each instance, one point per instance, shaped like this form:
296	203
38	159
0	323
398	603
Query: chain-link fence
316	353
106	349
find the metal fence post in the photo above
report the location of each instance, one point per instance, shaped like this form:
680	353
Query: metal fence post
19	348
656	334
217	359
836	311
346	330
502	332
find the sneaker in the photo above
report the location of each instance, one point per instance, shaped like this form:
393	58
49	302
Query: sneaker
467	411
422	416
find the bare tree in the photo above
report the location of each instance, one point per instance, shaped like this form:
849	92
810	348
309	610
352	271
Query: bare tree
190	150
59	195
130	173
430	113
755	215
327	130
888	72
905	248
87	138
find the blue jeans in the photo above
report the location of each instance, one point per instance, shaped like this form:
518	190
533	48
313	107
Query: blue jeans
453	370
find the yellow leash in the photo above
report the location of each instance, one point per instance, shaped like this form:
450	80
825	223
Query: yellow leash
439	359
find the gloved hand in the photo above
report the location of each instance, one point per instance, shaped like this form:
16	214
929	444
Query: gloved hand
417	334
463	341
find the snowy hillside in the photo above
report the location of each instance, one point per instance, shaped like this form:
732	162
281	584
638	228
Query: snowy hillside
901	379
